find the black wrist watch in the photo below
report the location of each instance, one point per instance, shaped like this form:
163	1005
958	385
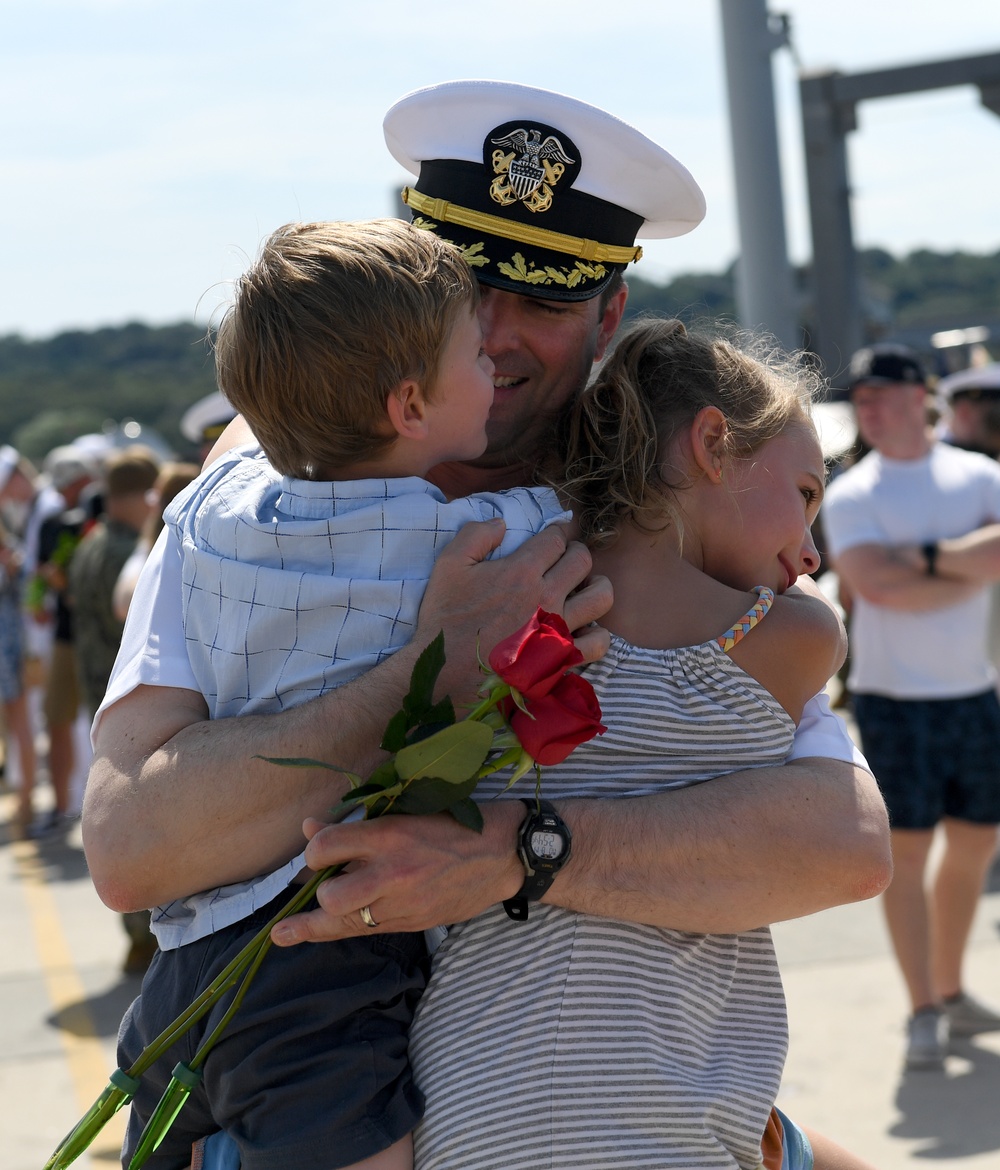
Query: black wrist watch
930	552
544	845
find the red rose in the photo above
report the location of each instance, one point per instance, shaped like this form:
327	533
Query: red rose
563	719
537	656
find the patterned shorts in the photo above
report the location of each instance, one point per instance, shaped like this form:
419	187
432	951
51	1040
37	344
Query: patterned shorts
934	758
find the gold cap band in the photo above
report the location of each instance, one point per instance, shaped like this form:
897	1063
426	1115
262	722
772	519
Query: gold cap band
522	233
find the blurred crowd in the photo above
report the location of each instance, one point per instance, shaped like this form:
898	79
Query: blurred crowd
74	533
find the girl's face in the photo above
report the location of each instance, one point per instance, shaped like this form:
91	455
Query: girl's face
761	534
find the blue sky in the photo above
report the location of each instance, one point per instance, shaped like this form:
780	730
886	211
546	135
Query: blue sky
146	146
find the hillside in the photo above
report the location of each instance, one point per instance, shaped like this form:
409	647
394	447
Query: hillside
54	389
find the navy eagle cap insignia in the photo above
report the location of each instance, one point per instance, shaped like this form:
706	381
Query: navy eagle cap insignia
530	170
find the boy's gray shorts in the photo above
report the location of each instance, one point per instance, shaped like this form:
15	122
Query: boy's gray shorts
312	1070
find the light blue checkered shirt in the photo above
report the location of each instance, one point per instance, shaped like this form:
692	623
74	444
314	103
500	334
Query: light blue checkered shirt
293	587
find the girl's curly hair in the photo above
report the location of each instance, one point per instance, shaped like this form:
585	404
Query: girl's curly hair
653	384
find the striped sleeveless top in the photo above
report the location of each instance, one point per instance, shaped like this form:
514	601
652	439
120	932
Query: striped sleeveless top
575	1041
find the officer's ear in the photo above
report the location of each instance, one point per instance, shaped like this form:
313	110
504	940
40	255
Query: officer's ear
611	318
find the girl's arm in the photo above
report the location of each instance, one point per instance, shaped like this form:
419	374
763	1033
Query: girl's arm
797	648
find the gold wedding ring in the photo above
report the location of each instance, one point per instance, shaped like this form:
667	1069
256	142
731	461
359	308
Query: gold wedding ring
366	917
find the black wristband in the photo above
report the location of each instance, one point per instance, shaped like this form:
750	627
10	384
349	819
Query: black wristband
540	869
930	552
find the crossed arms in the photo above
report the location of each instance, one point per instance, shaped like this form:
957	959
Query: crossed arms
897	577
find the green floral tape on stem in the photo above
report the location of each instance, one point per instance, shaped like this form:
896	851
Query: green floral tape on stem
121	1080
188	1077
118	1093
182	1082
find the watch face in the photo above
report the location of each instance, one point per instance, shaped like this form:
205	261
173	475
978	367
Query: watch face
546	846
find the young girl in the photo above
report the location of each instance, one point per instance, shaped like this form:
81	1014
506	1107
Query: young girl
567	1040
570	1040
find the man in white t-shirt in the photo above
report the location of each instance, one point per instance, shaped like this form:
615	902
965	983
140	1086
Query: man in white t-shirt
922	681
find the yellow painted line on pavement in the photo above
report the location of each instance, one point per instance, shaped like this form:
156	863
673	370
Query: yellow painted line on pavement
85	1057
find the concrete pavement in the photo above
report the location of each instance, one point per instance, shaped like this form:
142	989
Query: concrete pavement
62	994
61	997
844	1074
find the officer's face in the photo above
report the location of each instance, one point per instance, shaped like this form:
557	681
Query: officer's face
543	352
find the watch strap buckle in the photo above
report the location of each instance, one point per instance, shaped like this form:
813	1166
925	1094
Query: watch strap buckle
516	908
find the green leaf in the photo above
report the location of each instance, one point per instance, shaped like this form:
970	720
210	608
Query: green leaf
385	775
426	730
395	732
425	674
467	813
431	794
443	712
454	753
418	704
373	796
366	790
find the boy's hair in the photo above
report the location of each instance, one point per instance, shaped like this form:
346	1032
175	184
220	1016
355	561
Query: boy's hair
653	384
329	319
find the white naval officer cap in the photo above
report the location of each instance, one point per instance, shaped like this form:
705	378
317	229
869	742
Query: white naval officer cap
975	382
544	194
205	421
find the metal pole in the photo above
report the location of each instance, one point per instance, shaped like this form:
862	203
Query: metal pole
765	292
836	294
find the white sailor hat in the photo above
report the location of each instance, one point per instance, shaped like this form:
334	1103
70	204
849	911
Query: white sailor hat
976	382
544	194
67	464
207	419
9	459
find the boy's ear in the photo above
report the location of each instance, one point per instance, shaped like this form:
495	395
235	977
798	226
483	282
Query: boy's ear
407	410
708	433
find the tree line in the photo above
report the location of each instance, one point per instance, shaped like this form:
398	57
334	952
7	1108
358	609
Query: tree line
79	382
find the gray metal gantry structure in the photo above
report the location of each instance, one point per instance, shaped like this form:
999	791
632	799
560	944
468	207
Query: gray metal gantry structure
829	113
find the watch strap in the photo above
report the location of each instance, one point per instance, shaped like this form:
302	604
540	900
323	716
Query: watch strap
930	552
536	882
533	890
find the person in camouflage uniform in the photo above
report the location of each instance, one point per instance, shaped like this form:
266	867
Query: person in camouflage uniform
93	572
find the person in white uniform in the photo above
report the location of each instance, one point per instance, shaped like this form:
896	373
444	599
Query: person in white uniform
633	859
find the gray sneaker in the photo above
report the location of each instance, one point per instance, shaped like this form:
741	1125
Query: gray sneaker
926	1039
968	1017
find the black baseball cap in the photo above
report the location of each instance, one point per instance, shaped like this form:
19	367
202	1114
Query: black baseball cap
883	364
